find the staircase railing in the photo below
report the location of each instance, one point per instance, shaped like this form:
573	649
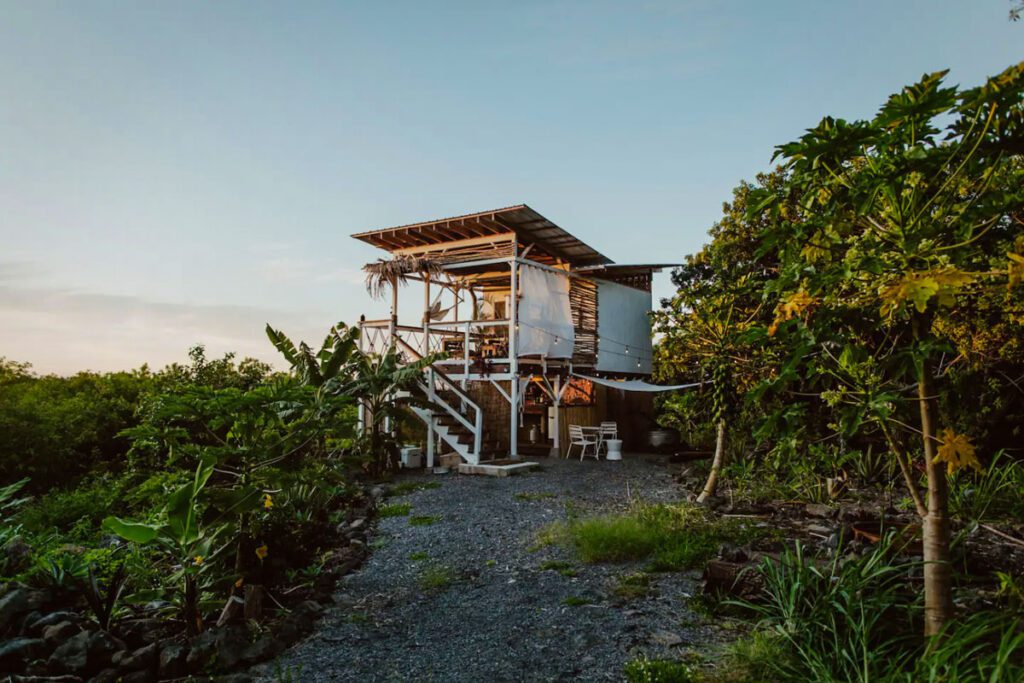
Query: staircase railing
437	376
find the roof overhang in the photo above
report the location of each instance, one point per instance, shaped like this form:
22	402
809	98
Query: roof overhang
528	226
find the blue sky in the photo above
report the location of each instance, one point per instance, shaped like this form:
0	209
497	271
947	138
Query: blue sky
173	173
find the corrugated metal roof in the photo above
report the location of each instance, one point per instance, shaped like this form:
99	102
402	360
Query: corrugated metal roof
527	224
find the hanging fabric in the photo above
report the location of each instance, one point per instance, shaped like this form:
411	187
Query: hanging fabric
634	384
544	314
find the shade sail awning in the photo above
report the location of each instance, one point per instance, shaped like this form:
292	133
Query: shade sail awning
634	384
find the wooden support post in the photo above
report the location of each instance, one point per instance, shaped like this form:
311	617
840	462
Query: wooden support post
513	358
557	447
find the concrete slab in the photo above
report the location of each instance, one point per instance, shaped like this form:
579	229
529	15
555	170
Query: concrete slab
497	468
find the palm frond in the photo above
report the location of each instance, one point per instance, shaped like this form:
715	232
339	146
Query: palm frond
383	272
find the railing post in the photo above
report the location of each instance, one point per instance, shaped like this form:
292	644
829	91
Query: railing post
430	421
465	355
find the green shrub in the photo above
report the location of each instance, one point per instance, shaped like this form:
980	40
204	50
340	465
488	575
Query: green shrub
645	670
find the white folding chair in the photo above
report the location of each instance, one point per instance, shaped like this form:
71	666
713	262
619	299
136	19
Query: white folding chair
577	437
607	430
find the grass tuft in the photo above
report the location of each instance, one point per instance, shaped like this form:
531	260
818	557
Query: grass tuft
561	566
576	601
423	520
436	577
533	496
419	556
395	510
645	670
633	586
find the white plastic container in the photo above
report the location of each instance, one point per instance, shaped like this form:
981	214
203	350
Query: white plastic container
614	449
412	457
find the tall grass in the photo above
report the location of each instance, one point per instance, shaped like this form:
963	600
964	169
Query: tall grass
858	620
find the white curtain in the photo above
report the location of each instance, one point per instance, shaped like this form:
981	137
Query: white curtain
623	328
545	317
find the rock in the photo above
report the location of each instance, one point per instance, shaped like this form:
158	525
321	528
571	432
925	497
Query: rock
16	603
377	492
102	647
818	510
143	631
666	638
172	662
143	658
72	656
27	621
732	553
202	650
84	652
357	524
15	653
52	618
111	675
144	676
232	643
819	530
264	648
59	632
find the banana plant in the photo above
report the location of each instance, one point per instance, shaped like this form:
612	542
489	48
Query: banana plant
324	365
189	545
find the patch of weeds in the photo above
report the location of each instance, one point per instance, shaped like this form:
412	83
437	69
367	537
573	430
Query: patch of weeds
436	577
378	543
555	533
633	586
424	520
577	601
419	557
491	563
358	618
645	670
672	537
406	487
533	496
395	510
561	566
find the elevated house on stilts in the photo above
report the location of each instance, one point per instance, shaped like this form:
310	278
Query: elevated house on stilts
532	323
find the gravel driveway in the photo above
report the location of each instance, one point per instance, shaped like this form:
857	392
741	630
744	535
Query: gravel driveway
464	598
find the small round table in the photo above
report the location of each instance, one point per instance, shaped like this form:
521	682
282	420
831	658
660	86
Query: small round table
614	449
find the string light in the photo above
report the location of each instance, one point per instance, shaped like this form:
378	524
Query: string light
602	342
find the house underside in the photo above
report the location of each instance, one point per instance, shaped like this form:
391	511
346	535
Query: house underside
521	314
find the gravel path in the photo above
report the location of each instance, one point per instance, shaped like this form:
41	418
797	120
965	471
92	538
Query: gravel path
501	618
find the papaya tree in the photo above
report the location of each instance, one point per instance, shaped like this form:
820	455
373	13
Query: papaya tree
709	326
902	218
